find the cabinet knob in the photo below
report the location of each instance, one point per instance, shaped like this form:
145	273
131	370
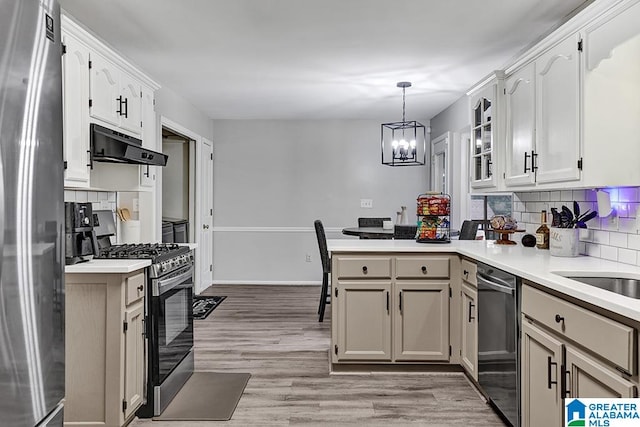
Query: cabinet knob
140	288
559	318
424	269
364	269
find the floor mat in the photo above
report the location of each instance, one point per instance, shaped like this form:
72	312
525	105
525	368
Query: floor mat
204	305
207	396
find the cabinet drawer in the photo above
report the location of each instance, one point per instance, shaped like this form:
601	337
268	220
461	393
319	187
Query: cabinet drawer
605	337
422	267
469	270
134	289
364	267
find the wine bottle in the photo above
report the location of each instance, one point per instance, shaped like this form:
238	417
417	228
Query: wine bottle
542	233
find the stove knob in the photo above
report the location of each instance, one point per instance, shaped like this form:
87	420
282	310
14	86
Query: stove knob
162	268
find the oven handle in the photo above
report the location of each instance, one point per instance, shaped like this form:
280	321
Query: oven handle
160	286
496	286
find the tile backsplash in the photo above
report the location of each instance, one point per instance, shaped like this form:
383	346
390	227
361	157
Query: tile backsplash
100	200
614	237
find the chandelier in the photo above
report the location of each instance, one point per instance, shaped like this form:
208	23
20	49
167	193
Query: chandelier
403	143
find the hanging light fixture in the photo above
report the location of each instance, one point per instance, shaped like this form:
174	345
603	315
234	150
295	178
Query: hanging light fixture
403	143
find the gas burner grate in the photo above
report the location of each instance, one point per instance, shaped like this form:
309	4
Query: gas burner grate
142	251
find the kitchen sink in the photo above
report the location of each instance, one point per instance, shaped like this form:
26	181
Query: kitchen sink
620	285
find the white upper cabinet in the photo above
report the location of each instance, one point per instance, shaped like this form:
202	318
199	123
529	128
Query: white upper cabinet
75	66
99	86
612	98
485	133
116	97
558	112
572	103
131	113
520	140
149	135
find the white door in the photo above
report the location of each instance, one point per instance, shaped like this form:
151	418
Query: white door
131	92
440	164
520	94
75	66
205	194
149	132
558	113
104	89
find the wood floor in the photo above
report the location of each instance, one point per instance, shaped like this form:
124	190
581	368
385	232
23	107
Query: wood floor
273	333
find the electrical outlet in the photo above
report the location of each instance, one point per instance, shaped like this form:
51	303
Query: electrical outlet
366	203
308	258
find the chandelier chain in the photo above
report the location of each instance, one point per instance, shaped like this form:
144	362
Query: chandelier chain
403	105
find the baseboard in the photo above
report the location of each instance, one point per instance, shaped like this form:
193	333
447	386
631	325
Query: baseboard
269	282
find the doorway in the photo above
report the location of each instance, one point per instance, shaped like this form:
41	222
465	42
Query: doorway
177	187
187	192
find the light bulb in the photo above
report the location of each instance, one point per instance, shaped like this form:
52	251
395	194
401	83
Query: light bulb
394	144
413	143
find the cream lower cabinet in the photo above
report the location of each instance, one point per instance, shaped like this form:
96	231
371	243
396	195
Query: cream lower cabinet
469	338
104	349
421	326
469	319
364	316
541	359
570	351
390	308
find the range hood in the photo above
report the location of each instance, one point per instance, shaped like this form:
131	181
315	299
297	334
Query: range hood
114	147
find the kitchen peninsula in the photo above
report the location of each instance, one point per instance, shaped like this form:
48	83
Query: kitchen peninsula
402	305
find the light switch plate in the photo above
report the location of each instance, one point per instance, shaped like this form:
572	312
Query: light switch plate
366	203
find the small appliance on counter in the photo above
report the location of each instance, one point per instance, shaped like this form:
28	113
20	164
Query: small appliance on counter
433	218
80	239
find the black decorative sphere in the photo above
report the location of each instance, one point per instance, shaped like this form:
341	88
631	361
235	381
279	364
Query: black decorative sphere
529	240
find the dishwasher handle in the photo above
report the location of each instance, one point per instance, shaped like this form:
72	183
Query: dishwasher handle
494	284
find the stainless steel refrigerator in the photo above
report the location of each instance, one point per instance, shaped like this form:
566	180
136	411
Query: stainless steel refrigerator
31	215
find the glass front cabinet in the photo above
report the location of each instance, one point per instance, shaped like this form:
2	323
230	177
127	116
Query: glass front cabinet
485	132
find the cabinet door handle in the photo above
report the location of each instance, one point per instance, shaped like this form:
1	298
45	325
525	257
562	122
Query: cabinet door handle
147	172
424	269
471	305
559	319
126	108
364	269
549	364
465	272
400	305
90	164
526	156
119	110
387	302
534	161
140	288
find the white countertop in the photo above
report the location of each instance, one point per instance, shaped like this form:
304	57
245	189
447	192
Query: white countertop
529	263
108	266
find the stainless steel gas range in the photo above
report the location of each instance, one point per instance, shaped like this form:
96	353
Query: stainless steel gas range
168	317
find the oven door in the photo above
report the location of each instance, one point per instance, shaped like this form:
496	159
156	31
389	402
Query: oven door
172	319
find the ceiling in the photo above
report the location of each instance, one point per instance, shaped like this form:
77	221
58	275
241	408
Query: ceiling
319	59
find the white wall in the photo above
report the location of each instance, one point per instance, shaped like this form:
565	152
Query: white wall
272	179
175	181
179	110
455	119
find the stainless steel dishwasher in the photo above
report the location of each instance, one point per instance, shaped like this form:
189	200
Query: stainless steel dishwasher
498	342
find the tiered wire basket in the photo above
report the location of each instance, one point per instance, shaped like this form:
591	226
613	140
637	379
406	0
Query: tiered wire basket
434	225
